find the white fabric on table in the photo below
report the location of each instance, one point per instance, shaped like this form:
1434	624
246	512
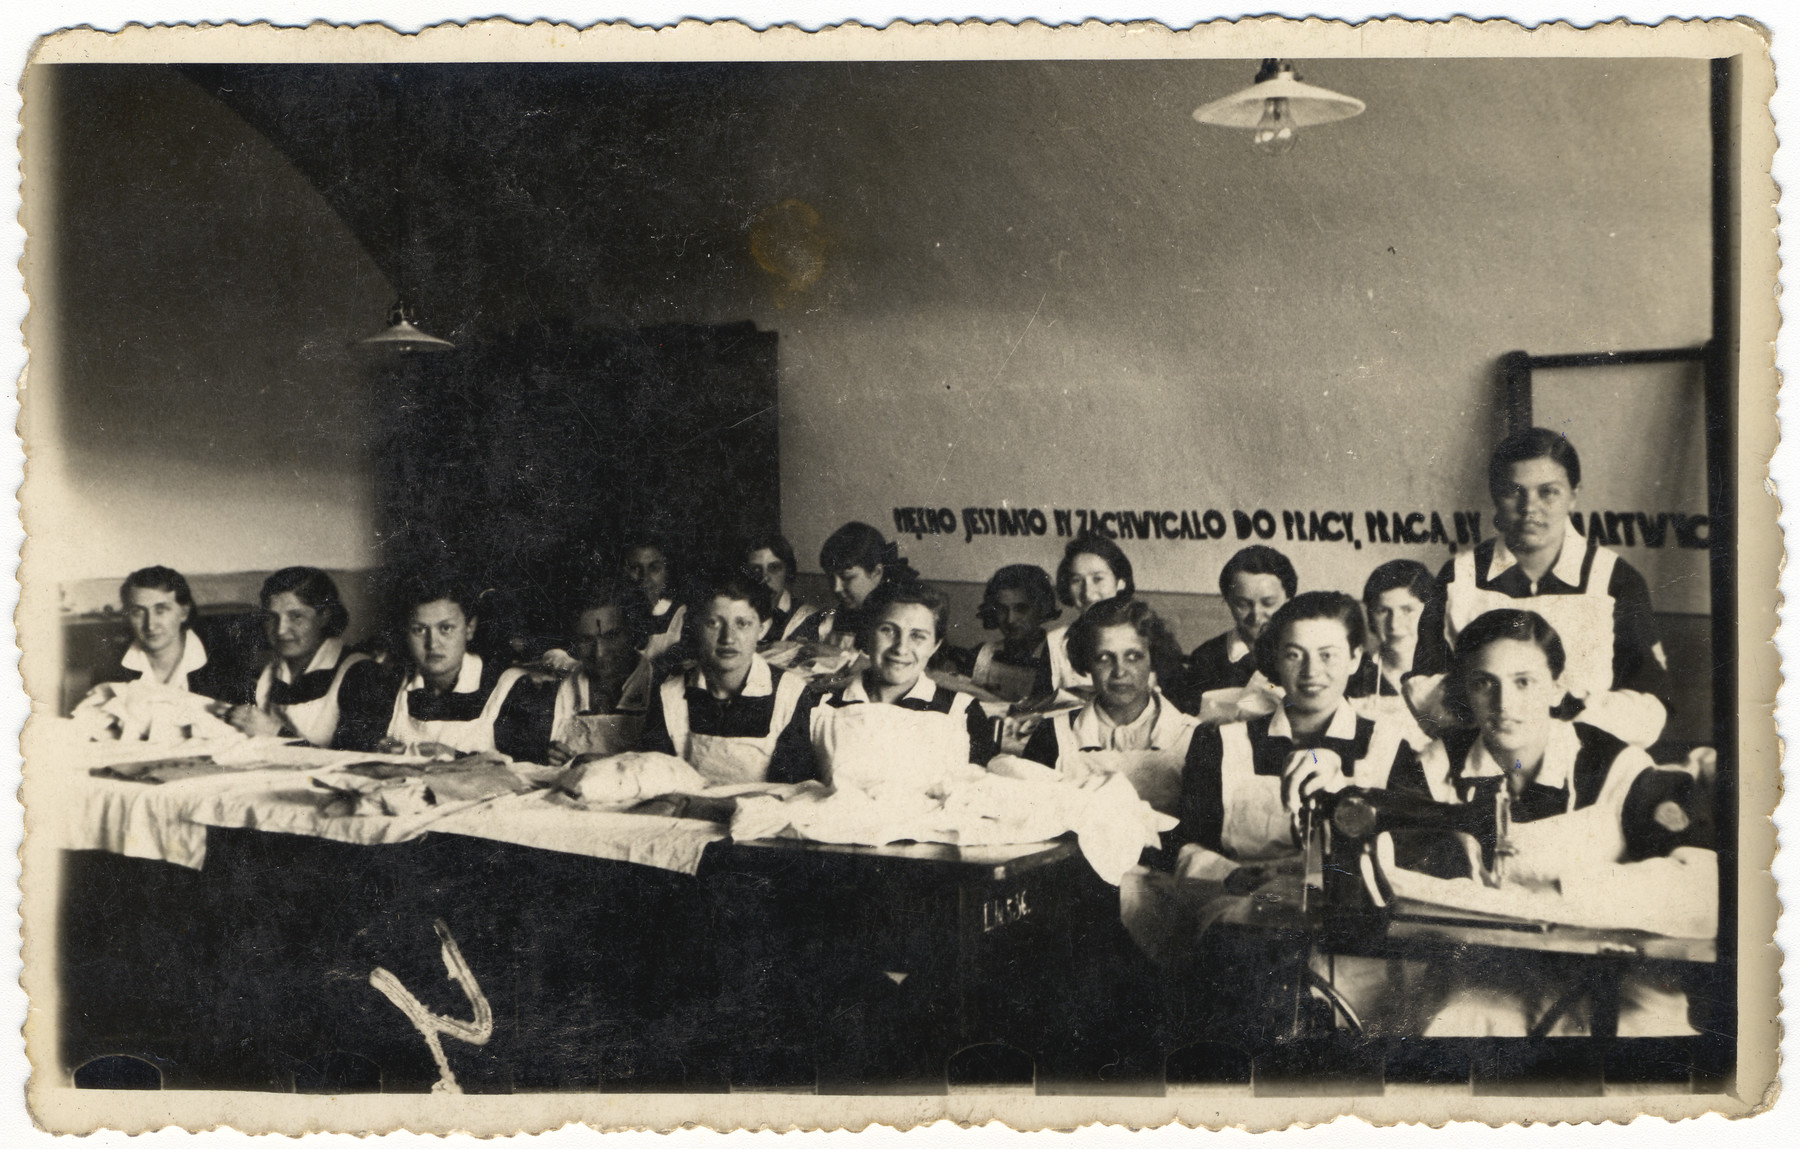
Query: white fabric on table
974	807
538	820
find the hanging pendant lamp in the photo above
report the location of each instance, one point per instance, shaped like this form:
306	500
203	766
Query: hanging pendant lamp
1277	106
401	335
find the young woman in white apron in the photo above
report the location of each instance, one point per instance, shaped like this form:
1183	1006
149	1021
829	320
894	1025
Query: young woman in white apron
1244	782
1093	569
296	693
891	729
1018	600
1129	727
446	699
645	565
1255	583
164	688
599	705
1595	600
857	558
725	715
1405	607
770	557
1582	802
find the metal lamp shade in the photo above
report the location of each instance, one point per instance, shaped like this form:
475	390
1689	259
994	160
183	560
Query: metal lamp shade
1306	104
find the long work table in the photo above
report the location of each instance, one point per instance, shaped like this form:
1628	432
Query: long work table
226	930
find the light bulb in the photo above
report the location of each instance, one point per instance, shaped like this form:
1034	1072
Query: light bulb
1276	132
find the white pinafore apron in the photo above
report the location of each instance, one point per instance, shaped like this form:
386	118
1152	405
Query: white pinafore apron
1155	772
1063	674
886	750
1584	621
315	721
1256	824
591	733
472	737
1010	682
727	761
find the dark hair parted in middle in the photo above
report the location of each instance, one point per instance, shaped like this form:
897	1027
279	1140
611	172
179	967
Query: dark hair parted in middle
1485	631
416	592
732	583
313	587
167	580
777	545
1259	560
1084	635
1018	576
1107	552
890	594
1402	574
1523	446
861	545
1314	604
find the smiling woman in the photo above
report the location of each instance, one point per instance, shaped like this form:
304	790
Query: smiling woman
297	691
891	727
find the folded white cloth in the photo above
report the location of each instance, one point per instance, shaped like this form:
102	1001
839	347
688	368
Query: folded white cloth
634	776
1020	803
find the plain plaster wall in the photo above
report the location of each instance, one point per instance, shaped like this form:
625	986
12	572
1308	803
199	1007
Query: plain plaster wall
1042	285
1046	286
205	410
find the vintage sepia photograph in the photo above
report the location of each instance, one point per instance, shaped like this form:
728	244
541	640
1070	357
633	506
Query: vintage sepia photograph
1050	575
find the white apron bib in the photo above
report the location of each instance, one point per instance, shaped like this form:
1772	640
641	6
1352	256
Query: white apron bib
1584	621
315	721
475	736
1010	682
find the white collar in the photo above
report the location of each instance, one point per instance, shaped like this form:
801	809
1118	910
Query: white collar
1093	726
468	679
193	657
1341	727
786	601
759	683
1559	759
662	607
324	658
923	690
1236	649
1567	566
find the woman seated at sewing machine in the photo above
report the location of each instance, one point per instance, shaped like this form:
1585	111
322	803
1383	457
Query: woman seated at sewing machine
1129	727
770	557
892	721
1017	602
164	686
857	559
444	699
1405	606
599	705
726	714
296	694
1245	782
1576	814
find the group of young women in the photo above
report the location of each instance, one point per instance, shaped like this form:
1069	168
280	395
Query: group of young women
1529	662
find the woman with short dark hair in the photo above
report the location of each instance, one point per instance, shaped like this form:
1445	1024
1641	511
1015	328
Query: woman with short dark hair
1017	602
771	558
443	699
857	558
890	727
1129	727
1093	569
296	693
163	684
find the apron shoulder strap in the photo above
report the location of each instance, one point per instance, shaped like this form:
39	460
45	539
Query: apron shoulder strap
675	712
